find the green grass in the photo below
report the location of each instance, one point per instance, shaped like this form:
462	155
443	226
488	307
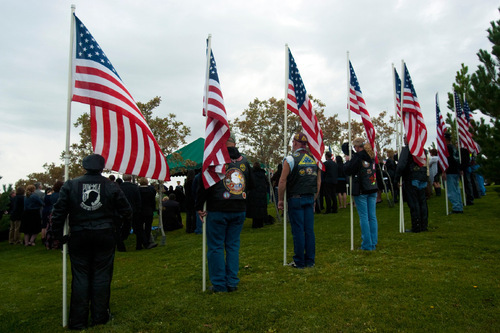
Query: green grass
445	280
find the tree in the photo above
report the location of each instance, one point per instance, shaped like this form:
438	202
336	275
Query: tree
168	132
260	129
482	89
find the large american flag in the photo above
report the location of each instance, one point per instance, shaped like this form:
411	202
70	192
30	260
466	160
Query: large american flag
357	105
215	154
397	81
468	116
298	102
441	143
463	126
119	131
413	121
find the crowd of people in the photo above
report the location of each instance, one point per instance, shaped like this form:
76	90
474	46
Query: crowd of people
103	211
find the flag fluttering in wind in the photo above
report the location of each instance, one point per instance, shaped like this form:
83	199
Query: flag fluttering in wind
357	105
413	121
119	131
215	154
464	136
441	143
397	81
468	113
298	102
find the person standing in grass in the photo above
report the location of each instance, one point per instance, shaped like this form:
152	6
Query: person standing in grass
451	176
226	211
364	190
415	181
31	222
302	179
93	204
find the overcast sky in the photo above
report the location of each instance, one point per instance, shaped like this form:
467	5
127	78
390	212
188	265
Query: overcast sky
158	49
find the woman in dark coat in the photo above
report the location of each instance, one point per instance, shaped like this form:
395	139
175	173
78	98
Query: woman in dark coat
16	216
31	222
189	203
257	197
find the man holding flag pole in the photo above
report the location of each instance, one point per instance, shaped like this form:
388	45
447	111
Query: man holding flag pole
221	201
300	179
122	141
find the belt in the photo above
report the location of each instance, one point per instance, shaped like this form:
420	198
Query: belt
301	196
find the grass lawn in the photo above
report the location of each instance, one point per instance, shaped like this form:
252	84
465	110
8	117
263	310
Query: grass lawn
444	280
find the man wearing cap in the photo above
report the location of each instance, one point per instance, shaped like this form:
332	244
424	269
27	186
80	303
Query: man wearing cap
451	176
302	180
93	204
226	211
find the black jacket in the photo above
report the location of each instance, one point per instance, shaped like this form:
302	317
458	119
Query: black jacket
331	172
353	168
91	202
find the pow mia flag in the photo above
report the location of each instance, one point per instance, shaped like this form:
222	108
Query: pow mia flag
91	196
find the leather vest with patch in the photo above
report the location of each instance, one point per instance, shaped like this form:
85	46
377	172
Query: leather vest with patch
233	186
303	179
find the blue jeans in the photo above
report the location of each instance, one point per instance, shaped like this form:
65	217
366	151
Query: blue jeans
223	233
454	192
366	205
301	212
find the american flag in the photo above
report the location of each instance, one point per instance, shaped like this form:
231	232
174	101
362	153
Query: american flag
397	80
357	105
119	131
298	102
215	154
463	126
413	121
468	113
441	143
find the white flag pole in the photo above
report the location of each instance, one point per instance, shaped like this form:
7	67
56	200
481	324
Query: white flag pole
458	143
160	214
401	207
204	224
350	150
398	137
445	194
66	165
285	145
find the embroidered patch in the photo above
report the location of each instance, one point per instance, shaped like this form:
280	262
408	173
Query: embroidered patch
243	167
302	172
234	181
307	160
226	195
91	197
309	171
244	195
295	154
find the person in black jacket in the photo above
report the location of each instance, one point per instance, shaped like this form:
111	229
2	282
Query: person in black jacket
15	216
148	207
93	204
257	197
226	211
133	195
415	181
329	183
364	190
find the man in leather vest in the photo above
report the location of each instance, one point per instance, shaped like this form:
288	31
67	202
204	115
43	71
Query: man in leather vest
226	212
302	180
93	204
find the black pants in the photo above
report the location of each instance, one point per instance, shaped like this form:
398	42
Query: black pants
331	198
92	253
190	220
417	202
148	222
140	240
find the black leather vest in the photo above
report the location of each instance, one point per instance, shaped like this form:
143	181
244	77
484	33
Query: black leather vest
303	179
233	186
